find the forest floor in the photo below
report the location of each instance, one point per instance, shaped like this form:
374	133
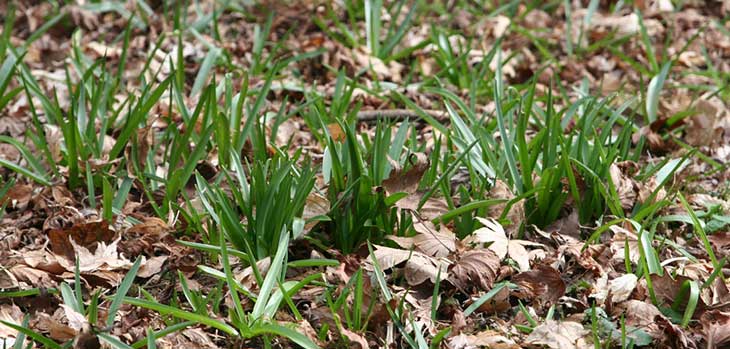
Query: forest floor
391	174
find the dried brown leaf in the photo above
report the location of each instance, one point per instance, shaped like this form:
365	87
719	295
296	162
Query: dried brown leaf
87	235
716	328
407	182
542	283
477	267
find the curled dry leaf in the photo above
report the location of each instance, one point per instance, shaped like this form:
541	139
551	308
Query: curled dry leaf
74	319
542	283
559	335
494	234
619	288
418	268
477	267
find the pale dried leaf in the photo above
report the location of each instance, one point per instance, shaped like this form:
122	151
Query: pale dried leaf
105	258
432	242
493	233
619	288
75	320
483	339
389	257
558	335
356	340
151	266
12	314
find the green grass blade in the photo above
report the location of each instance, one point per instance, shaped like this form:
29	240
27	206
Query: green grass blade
122	292
182	314
655	88
47	342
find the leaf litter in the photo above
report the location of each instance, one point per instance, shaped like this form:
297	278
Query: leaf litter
561	287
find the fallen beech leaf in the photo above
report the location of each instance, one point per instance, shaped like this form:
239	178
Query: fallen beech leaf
105	258
151	266
716	328
33	276
494	234
418	268
638	313
559	335
17	197
619	288
543	283
407	182
11	314
75	320
488	339
625	186
477	267
432	242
